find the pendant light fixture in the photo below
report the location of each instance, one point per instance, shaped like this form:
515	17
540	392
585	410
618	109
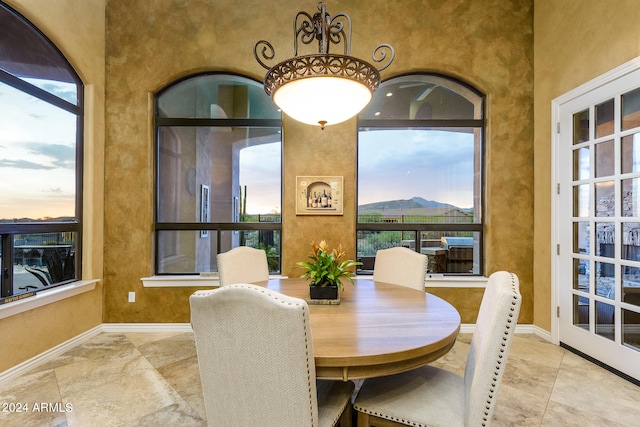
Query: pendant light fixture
322	88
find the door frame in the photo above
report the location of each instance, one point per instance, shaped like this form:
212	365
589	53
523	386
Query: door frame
556	105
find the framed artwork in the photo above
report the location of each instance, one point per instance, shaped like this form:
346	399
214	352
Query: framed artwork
204	208
319	195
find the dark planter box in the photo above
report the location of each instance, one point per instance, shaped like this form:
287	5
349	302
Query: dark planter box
323	292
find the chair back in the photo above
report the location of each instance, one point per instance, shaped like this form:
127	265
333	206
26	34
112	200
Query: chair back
400	266
243	264
255	355
490	345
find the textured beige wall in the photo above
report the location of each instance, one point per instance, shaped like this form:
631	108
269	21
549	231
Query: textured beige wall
311	151
574	42
485	43
488	44
77	28
33	332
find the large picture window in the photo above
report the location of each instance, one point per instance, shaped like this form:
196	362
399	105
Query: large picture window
219	172
420	145
41	114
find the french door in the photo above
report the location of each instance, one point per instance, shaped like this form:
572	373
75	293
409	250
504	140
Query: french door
597	164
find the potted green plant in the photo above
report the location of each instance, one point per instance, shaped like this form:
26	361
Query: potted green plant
325	269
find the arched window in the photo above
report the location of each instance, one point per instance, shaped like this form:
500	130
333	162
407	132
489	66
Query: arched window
420	146
219	174
41	115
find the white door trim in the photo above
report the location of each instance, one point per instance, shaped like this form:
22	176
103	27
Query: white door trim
556	104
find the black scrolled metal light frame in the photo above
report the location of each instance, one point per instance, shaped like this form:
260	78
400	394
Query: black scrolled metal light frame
327	30
321	65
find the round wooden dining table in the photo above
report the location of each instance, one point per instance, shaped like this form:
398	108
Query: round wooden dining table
377	328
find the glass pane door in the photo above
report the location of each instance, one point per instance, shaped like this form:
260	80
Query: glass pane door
599	224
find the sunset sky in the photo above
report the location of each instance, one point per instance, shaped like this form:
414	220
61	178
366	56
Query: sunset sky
393	164
37	162
37	156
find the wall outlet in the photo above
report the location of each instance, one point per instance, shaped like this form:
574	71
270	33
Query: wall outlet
132	297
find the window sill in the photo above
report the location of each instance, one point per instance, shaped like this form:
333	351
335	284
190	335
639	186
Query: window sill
206	280
442	281
47	297
212	280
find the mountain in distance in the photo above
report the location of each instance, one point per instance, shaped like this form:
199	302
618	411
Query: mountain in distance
413	203
28	220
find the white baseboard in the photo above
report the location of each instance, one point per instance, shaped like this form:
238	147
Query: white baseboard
146	327
58	350
48	355
544	334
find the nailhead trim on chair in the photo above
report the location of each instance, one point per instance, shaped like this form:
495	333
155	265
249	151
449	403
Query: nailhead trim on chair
306	346
311	387
508	330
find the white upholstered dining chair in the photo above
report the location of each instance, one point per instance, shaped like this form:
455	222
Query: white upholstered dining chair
255	354
430	396
400	266
242	264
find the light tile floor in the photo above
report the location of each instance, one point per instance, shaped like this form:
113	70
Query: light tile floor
152	379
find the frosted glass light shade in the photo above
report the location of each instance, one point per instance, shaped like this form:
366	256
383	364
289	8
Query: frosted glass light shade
322	100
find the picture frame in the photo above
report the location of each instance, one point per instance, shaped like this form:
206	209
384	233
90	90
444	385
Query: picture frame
319	195
204	209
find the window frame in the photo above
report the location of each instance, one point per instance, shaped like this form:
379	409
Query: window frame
418	228
214	227
8	230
